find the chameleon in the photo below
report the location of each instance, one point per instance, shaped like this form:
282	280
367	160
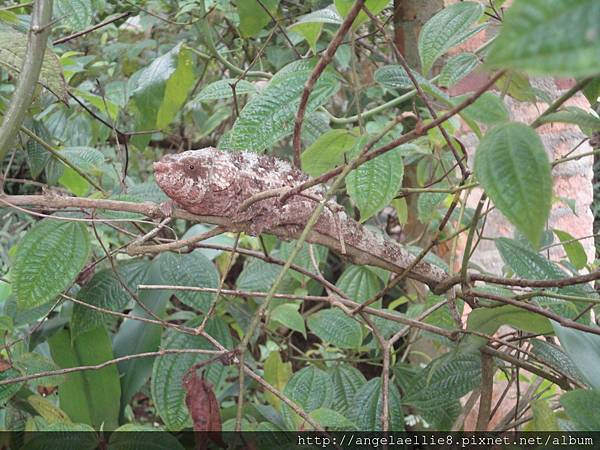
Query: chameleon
211	182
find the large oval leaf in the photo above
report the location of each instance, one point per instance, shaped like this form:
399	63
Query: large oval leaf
75	14
368	405
445	380
91	396
374	6
221	89
347	380
538	36
584	350
488	320
526	263
13	48
448	28
311	389
191	269
335	327
269	116
457	68
513	168
167	391
359	283
582	408
106	291
327	151
48	259
374	184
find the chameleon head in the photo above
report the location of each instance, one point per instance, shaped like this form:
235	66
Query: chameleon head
184	177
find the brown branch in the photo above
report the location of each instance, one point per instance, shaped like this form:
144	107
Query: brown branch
29	73
51	373
345	301
519	282
92	28
405	138
487	389
536	309
400	57
316	73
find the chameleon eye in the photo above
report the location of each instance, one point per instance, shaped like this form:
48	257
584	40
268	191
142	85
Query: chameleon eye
191	167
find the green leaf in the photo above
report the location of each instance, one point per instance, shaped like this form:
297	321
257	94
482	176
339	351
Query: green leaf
346	382
374	7
177	87
555	357
516	84
64	435
277	374
191	269
221	239
368	404
309	31
395	77
103	104
448	28
488	109
444	380
47	261
537	36
6	322
167	390
269	116
30	363
257	276
46	409
8	17
544	418
91	396
13	48
311	389
587	122
310	25
584	350
582	408
335	327
136	337
359	283
457	67
573	248
329	418
38	156
327	151
253	17
7	391
221	89
512	166
162	89
89	161
427	205
288	316
303	258
373	185
528	264
488	320
105	291
75	14
132	436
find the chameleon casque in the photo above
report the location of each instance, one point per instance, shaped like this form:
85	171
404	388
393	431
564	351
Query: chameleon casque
211	182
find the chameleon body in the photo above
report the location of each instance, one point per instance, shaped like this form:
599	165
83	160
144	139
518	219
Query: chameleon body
210	182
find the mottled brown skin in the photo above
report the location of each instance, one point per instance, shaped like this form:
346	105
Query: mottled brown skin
210	182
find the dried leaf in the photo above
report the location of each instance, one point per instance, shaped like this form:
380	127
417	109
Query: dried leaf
203	406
